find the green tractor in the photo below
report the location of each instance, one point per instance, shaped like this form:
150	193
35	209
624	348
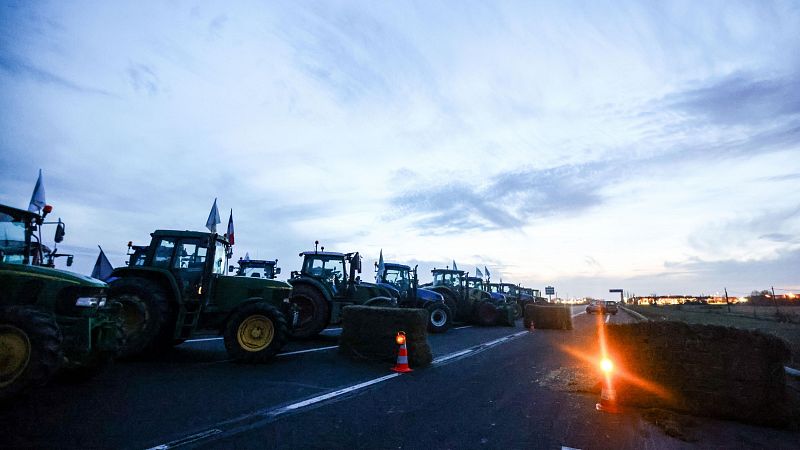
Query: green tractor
258	268
513	294
324	286
466	296
50	319
178	285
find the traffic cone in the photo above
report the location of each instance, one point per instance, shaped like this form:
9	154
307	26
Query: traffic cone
608	399
402	355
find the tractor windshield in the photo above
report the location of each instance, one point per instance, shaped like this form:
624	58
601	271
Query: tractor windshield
477	284
446	279
397	278
325	267
12	239
256	270
219	258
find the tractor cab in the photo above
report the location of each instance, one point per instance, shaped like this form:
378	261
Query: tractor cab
453	279
475	283
257	268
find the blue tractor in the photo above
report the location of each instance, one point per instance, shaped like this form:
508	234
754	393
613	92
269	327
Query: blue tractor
404	284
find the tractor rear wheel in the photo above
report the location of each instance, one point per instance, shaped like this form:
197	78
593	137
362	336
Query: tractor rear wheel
255	333
439	317
148	318
30	349
313	310
487	313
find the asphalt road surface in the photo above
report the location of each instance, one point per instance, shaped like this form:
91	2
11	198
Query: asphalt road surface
484	390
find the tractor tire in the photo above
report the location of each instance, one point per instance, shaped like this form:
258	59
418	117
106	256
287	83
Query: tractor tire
30	349
255	333
98	361
517	310
314	311
487	313
439	317
148	317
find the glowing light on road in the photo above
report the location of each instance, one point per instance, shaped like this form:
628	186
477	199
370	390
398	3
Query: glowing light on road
400	338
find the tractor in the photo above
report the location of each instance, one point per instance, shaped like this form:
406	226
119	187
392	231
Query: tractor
257	268
326	283
467	298
178	285
50	319
403	282
514	294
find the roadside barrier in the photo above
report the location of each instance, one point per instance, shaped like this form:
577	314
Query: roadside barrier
369	333
701	369
555	317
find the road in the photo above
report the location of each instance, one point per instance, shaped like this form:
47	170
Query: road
484	390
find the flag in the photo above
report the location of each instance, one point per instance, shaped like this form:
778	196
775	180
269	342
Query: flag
229	234
478	273
213	218
102	267
37	198
486	269
381	268
455	267
247	256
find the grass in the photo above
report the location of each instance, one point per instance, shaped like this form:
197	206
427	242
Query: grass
784	323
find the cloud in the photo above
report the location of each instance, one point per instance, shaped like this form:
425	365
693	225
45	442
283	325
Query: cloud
143	78
17	67
509	200
741	98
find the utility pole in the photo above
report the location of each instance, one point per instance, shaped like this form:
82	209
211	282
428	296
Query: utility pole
726	300
774	300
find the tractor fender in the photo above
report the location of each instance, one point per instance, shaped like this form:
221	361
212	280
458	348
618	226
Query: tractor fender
162	277
326	292
427	297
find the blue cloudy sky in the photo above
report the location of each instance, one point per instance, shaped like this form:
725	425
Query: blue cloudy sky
651	146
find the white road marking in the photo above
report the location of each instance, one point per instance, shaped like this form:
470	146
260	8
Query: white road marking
564	447
461	328
578	314
233	426
331	329
307	350
608	317
203	340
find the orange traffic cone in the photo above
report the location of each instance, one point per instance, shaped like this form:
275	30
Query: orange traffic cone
402	354
608	399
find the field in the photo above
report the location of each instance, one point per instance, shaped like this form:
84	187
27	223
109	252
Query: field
783	322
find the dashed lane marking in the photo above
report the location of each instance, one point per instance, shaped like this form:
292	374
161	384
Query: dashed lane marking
202	340
258	418
461	328
307	350
608	317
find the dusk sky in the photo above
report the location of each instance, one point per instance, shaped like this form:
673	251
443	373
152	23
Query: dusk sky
648	146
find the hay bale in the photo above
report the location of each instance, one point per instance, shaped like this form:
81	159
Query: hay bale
368	333
554	317
702	369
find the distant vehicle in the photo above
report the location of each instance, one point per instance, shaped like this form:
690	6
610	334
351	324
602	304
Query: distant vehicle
257	268
601	307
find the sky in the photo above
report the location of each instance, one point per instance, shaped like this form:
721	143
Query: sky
647	146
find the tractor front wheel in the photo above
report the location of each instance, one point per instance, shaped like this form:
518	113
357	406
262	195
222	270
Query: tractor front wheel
98	360
487	313
313	310
255	333
439	317
30	349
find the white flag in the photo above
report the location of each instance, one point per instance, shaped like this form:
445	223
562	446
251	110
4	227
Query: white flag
247	256
478	273
486	269
455	267
213	218
102	267
37	199
381	268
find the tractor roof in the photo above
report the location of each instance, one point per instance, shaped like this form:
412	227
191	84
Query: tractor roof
474	279
312	253
16	213
396	266
187	233
507	284
256	262
448	271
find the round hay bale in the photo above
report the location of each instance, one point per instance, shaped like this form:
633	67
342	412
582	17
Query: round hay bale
554	317
368	333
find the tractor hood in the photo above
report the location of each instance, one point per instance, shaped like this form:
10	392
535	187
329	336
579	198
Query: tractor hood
53	274
498	297
429	295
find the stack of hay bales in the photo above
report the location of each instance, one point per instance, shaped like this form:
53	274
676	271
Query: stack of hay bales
702	369
369	333
554	317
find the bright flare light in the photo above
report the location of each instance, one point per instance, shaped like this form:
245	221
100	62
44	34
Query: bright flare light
606	365
400	338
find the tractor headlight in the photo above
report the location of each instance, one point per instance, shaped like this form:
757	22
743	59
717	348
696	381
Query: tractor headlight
91	302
